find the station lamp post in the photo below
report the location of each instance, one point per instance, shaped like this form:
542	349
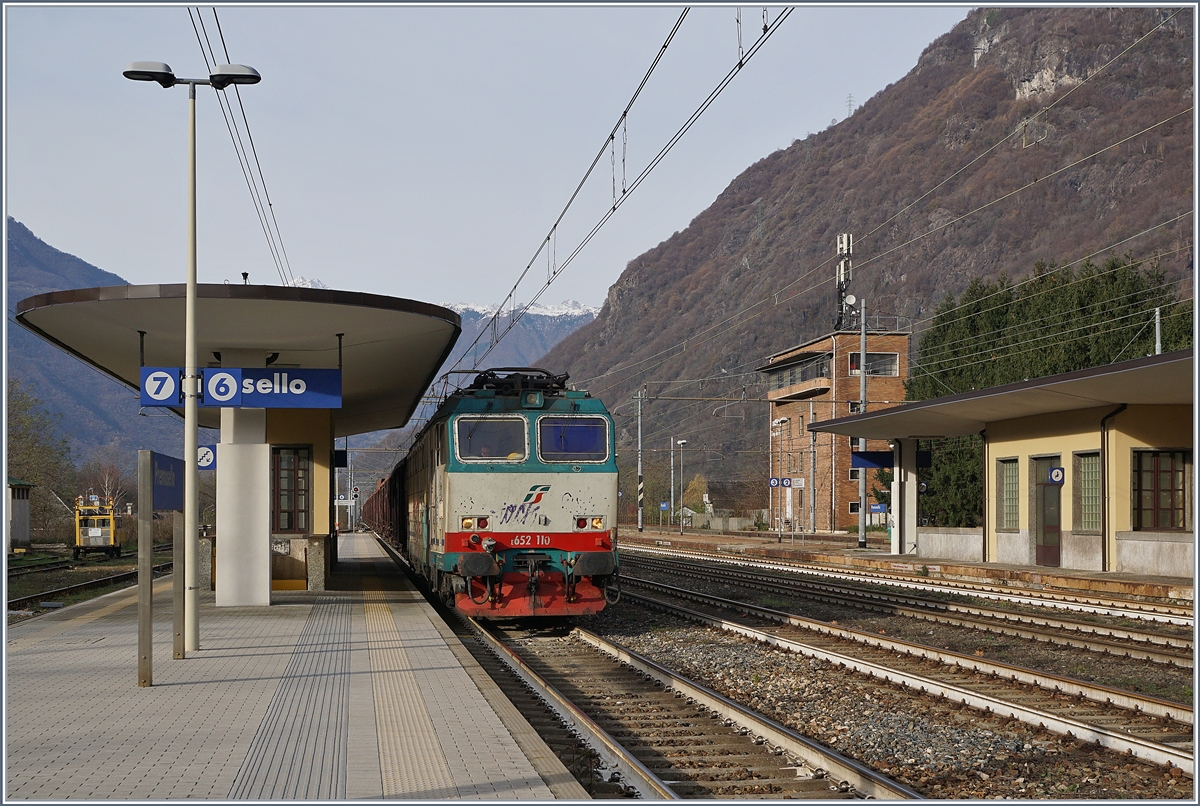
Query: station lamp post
221	77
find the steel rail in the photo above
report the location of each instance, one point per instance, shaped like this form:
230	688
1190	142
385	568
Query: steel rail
1154	752
863	779
102	582
931	610
1170	614
647	784
1179	712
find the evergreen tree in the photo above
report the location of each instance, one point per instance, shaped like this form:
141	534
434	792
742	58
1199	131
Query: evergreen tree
1054	321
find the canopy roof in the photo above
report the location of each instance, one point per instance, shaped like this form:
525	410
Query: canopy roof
1159	379
391	351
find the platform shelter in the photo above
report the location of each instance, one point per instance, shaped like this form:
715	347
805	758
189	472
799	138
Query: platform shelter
1090	470
275	459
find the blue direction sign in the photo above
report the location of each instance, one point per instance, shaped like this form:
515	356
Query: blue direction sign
236	387
664	506
206	457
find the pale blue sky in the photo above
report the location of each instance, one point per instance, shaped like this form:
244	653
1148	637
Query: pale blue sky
419	152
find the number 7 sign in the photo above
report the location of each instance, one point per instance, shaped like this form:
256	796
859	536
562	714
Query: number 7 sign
161	386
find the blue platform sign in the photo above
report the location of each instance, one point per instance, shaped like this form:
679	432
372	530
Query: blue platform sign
161	386
663	506
786	482
168	482
876	508
272	388
774	482
1057	475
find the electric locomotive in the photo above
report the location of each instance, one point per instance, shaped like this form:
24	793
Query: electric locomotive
506	504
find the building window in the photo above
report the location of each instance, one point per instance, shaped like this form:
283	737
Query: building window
1159	492
854	474
853	443
854	406
853	507
1008	502
292	477
877	363
1087	491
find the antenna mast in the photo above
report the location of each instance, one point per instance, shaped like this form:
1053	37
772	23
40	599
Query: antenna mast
845	273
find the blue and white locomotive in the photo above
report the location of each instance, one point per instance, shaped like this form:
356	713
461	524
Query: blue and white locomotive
507	502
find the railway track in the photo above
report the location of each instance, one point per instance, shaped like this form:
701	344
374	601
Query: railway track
1160	646
58	565
1154	730
102	582
1164	612
670	738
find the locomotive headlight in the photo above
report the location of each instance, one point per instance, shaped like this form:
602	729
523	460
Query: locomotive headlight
468	524
597	523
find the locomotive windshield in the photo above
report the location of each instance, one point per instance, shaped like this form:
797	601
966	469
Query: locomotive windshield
491	439
573	439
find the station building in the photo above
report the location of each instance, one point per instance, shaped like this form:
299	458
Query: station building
813	382
1090	470
276	519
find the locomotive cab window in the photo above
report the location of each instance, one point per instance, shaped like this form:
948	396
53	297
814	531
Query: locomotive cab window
490	439
573	439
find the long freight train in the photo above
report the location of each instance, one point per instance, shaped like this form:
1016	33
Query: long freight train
506	504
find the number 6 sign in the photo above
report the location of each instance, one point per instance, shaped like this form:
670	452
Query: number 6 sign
223	388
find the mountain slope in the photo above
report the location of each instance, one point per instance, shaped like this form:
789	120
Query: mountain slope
95	410
958	170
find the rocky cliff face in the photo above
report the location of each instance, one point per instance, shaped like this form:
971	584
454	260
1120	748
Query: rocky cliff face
1021	135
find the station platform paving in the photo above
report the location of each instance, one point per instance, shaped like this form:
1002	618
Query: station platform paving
358	692
841	551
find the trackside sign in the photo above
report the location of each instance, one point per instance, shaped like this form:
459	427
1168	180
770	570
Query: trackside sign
236	387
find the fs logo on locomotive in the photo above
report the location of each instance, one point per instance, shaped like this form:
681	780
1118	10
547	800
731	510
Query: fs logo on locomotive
535	493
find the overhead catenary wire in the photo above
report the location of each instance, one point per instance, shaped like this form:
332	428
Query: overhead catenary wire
263	209
496	336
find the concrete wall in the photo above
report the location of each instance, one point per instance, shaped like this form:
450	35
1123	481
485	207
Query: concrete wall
964	545
1013	548
1170	554
1082	551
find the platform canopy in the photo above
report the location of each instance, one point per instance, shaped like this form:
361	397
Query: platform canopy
1159	379
392	348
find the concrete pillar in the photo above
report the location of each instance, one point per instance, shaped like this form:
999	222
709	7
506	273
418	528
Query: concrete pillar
904	496
243	499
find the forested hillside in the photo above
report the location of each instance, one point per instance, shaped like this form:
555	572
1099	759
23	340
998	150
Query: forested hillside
1023	135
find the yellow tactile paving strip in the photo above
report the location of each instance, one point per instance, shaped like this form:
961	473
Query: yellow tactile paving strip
410	757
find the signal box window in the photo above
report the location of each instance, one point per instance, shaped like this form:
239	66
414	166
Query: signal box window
573	439
1007	490
490	439
291	471
877	363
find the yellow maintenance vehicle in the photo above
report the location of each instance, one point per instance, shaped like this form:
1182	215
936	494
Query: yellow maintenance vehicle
95	526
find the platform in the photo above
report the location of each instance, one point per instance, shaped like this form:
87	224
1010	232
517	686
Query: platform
358	692
841	551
